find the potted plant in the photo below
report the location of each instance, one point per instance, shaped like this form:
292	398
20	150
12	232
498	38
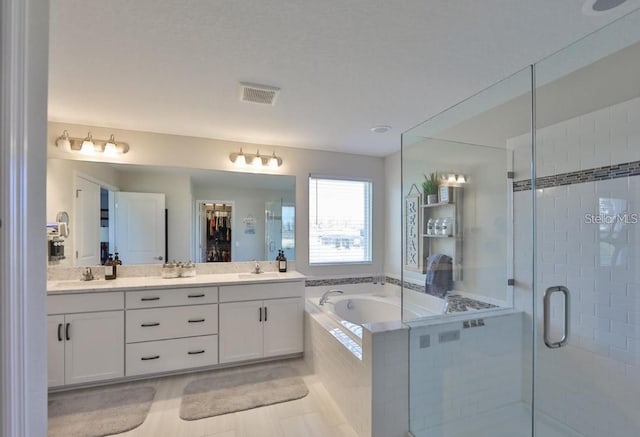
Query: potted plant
430	188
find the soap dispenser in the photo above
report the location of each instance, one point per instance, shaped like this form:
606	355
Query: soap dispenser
282	261
110	268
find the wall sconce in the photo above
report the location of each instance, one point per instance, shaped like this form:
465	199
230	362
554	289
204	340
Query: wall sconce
257	160
91	146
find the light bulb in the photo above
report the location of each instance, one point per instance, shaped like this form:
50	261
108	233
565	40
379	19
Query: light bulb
64	142
241	161
110	147
257	160
273	162
88	148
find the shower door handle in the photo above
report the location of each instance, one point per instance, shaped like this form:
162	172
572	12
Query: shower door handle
547	316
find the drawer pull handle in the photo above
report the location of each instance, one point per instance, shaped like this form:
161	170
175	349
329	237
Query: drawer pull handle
260	317
66	331
147	299
265	314
196	295
155	357
59	331
196	352
147	325
196	320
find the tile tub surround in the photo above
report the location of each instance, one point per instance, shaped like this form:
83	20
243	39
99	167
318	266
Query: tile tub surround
371	392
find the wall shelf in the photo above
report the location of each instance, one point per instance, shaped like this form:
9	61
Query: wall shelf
450	245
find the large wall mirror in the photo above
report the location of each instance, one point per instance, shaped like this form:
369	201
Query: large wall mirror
150	214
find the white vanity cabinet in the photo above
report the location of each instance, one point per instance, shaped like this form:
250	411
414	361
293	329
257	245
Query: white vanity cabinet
85	345
171	329
261	320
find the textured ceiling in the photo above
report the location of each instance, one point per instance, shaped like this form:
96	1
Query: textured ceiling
343	66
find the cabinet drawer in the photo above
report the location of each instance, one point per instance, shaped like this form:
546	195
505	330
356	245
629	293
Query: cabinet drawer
164	323
171	297
275	290
85	302
168	355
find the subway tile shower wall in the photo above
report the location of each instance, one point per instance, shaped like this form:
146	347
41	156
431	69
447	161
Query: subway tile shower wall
588	239
456	379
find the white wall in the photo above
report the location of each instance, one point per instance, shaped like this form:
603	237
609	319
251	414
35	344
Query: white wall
484	210
190	152
393	216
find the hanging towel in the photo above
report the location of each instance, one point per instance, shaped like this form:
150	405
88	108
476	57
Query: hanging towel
439	275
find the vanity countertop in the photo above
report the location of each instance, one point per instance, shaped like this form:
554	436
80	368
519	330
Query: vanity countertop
144	282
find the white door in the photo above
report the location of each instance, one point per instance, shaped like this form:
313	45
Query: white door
55	350
283	326
240	331
140	227
86	223
94	347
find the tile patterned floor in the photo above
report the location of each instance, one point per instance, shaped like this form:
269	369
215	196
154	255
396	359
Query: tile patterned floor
315	415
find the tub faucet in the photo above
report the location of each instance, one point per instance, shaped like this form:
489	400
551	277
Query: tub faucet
445	307
325	295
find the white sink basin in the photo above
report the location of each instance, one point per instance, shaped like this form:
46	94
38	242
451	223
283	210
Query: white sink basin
79	283
265	275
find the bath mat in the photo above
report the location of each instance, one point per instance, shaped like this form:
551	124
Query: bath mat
228	392
98	412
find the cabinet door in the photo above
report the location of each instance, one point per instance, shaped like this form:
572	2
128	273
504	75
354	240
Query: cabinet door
55	350
283	326
240	331
94	348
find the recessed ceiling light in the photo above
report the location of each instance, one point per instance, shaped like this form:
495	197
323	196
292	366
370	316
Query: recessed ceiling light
380	129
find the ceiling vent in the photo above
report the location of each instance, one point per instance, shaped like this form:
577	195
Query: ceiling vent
262	94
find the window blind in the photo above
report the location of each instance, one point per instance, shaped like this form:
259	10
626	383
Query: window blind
339	221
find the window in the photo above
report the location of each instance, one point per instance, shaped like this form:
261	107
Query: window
339	221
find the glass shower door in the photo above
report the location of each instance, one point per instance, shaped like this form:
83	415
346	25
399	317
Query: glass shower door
587	236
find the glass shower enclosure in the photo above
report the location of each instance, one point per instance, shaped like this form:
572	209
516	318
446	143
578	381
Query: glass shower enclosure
537	184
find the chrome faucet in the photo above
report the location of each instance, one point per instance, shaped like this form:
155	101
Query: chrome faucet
325	295
87	275
257	269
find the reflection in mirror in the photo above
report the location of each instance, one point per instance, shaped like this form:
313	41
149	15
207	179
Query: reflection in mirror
164	217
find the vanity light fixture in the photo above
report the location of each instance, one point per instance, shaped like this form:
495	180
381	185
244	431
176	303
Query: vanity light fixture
90	145
257	160
454	179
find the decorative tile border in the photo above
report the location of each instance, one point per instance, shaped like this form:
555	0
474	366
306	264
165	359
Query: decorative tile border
338	281
577	177
457	303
